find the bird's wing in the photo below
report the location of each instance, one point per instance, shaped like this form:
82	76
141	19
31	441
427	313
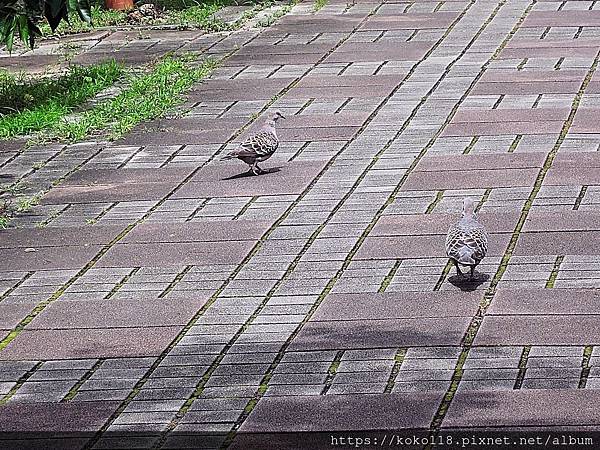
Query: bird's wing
460	238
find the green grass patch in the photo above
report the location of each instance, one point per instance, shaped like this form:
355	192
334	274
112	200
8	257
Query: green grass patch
201	15
31	105
148	96
319	4
101	17
186	13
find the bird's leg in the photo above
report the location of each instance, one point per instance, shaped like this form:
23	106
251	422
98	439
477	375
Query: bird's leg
258	169
458	272
254	168
472	272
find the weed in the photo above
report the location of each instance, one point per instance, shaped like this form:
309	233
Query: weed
147	97
319	4
30	105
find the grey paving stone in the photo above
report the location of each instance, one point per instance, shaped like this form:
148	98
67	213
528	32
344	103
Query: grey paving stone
396	305
55	417
535	407
380	333
333	412
82	343
117	313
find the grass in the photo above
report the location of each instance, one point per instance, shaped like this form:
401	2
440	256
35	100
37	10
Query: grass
31	105
147	97
319	4
200	15
272	18
186	13
101	17
11	203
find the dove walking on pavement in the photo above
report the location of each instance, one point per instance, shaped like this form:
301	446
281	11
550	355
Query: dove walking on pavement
467	240
260	146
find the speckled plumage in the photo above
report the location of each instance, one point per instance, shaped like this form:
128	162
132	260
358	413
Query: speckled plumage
467	240
258	147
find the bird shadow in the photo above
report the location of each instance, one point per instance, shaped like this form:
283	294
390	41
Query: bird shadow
466	284
251	174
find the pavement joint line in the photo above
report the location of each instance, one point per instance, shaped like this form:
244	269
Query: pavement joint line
176	280
231	104
475	324
20	382
522	367
554	272
15	286
344	69
585	366
469	147
537	101
104	212
195	212
438	6
381	66
580	197
379	36
172	156
497	102
559	63
398	360
412	35
131	156
436	201
344	104
445	404
246	207
86	376
53	216
444	275
389	277
121	282
484	199
515	143
308	102
332	371
299	152
77	167
522	64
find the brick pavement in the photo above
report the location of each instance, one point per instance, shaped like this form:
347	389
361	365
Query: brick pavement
318	297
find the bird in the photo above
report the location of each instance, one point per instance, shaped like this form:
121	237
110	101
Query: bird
467	240
258	147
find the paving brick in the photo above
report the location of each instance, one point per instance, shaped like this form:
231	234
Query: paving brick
86	343
117	313
55	417
225	180
538	330
396	305
358	334
522	407
333	412
544	301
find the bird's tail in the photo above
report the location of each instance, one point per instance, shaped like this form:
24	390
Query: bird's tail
465	256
